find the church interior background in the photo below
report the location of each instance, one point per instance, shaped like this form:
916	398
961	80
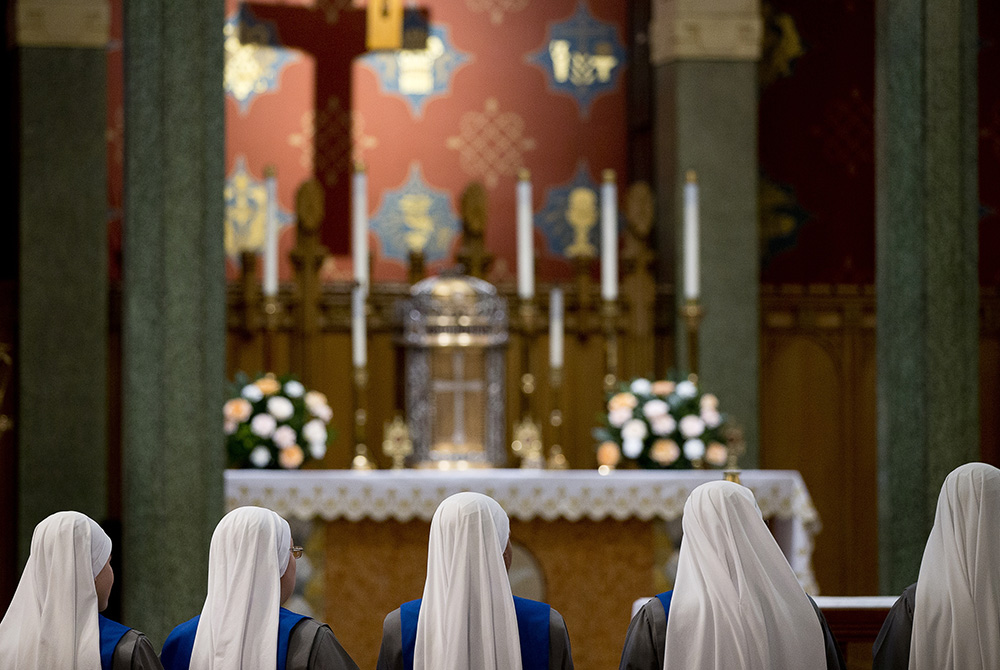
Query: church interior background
567	89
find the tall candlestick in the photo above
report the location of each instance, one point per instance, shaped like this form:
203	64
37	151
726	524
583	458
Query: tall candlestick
691	270
609	237
525	241
359	225
271	233
359	343
556	328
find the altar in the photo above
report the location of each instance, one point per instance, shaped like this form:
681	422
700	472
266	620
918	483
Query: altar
588	544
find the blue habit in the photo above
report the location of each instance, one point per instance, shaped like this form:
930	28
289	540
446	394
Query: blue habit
532	629
665	601
111	634
176	654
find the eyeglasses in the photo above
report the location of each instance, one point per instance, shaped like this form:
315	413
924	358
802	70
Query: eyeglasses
297	552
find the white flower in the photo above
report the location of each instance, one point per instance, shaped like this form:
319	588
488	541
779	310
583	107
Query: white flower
263	425
252	393
711	417
694	449
619	416
284	436
663	425
280	407
692	426
632	447
294	389
318	450
655	408
260	456
317	405
315	432
686	389
634	429
641	386
229	427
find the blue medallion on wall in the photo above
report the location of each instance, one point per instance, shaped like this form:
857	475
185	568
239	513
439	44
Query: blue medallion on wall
416	217
254	57
581	57
570	218
418	75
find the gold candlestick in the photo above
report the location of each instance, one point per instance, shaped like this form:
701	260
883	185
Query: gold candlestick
528	444
736	445
362	458
610	317
528	319
557	460
692	313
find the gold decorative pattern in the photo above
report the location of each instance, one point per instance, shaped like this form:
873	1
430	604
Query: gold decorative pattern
491	143
496	8
332	142
303	140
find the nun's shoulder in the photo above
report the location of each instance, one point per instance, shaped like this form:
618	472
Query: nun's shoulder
135	652
313	646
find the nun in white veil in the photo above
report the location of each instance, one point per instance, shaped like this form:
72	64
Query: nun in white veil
242	626
468	617
53	619
950	619
737	604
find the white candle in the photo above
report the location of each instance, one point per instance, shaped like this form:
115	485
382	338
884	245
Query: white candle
609	237
556	328
271	233
525	241
359	225
359	344
691	274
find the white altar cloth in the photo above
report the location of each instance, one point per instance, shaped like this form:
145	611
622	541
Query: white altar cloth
405	495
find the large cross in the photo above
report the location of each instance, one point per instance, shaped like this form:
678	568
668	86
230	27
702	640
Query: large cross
458	386
334	33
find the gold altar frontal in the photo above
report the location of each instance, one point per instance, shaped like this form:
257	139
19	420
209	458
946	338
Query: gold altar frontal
592	572
593	544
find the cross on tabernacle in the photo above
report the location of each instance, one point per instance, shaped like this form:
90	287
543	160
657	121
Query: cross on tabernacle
458	385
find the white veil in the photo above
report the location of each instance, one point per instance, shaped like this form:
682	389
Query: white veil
956	618
467	617
736	604
52	619
238	629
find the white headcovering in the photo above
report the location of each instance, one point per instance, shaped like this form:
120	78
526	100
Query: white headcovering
238	629
52	619
736	604
467	617
956	618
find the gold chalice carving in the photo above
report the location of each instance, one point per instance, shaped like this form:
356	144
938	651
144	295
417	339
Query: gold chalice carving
397	444
581	214
527	444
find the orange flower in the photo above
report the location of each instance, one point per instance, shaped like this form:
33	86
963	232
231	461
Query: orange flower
608	454
268	385
665	452
291	457
622	400
716	454
663	387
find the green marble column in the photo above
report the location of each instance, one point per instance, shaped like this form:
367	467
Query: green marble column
173	320
926	283
706	120
63	284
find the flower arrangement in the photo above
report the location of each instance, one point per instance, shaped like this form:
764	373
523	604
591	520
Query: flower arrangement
662	424
275	422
